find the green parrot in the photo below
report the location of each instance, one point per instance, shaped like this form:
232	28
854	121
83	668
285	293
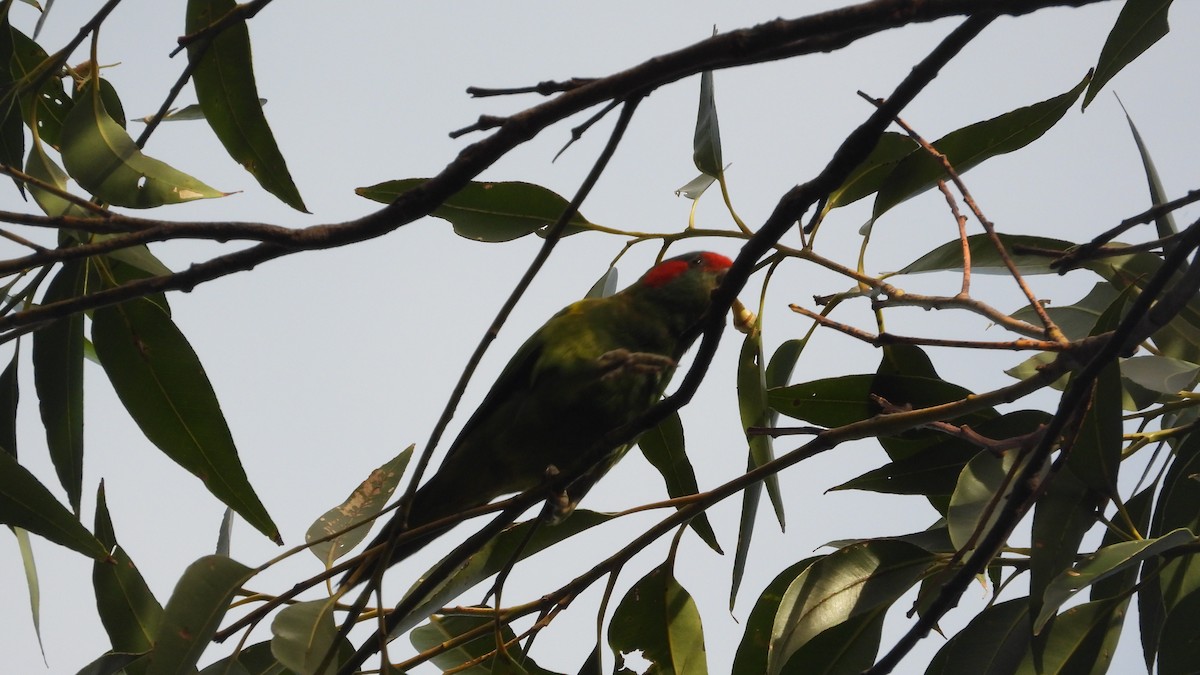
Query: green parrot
594	366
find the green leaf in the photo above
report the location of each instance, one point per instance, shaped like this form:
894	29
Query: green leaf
1096	455
1180	650
256	659
848	583
1119	583
754	412
113	663
1076	320
1080	640
442	628
160	381
848	648
843	400
31	583
228	95
100	155
12	129
47	107
1103	563
985	259
659	618
367	500
1061	517
973	506
933	470
1161	374
129	611
26	503
751	656
1140	24
303	634
491	212
194	611
706	145
1180	338
187	113
869	176
10	394
970	146
40	166
993	643
663	447
58	379
496	555
1164	223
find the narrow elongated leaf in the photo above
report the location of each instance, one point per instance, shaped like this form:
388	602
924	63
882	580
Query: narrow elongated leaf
842	400
491	212
194	611
100	155
160	381
26	503
1140	24
228	95
12	129
993	643
706	146
1061	517
31	583
663	447
367	500
256	659
970	146
446	627
10	395
869	176
126	607
1076	320
659	618
847	583
1181	638
974	505
848	648
985	259
303	634
751	656
1104	563
40	166
1164	223
113	663
752	406
58	379
47	107
498	553
754	412
1080	640
129	611
1096	456
1118	583
1160	374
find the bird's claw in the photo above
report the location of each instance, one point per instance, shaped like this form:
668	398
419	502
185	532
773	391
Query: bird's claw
622	361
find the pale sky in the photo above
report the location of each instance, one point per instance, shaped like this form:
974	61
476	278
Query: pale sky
328	363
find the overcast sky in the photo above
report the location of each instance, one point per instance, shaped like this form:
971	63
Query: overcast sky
327	364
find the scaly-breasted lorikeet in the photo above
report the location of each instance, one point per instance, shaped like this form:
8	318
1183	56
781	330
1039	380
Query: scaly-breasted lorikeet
594	366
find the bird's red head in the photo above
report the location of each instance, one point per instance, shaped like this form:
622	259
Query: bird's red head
668	270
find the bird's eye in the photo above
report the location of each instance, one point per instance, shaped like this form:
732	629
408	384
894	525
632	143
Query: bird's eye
698	261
